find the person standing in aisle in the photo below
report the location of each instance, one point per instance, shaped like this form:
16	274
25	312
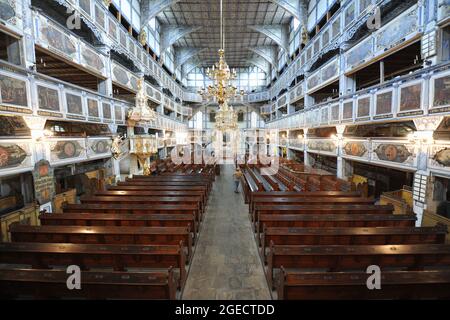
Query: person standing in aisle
237	179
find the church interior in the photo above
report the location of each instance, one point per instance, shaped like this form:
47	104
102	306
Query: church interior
225	149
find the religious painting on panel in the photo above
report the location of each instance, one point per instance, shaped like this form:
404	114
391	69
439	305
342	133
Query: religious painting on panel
13	91
48	98
411	97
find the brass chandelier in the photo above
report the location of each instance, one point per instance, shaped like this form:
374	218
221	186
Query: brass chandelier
222	90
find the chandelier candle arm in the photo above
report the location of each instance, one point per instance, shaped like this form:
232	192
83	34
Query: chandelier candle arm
222	90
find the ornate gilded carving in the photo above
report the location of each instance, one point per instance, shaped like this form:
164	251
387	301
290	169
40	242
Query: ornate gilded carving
143	37
141	111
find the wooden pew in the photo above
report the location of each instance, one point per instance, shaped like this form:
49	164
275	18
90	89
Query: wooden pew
332	220
321	209
175	178
352	285
295	194
155	193
147	183
123	186
269	179
160	188
248	186
117	219
51	284
341	258
353	236
132	209
275	201
103	235
145	201
261	180
89	256
254	178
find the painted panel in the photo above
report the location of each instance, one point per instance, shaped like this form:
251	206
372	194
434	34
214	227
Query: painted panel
317	46
325	146
314	81
99	147
100	16
91	59
93	108
112	28
85	5
410	97
394	152
330	71
13	91
74	103
349	14
120	75
440	88
358	149
324	115
48	98
384	102
439	156
62	151
123	38
335	112
347	112
364	107
363	5
106	108
359	54
443	9
15	155
326	37
394	33
118	114
56	39
336	28
7	10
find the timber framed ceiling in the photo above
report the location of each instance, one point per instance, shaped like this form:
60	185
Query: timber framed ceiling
241	16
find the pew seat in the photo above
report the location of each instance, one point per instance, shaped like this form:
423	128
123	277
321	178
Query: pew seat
431	284
16	283
332	220
117	219
354	257
92	256
103	235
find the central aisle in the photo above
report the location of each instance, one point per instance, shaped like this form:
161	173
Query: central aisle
226	264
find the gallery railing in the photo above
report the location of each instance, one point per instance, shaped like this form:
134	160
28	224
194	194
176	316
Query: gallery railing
421	93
